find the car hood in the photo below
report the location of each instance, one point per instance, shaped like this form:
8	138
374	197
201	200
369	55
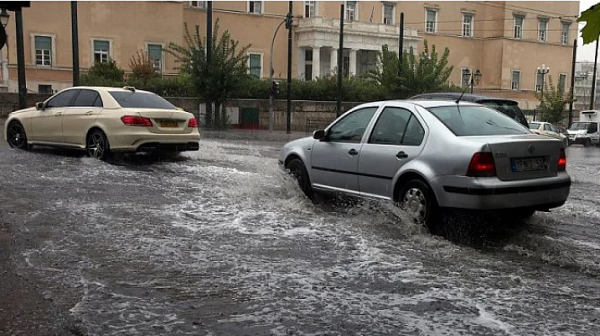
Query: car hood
30	109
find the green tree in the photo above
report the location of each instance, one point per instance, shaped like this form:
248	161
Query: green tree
108	70
552	102
591	31
423	73
225	75
142	67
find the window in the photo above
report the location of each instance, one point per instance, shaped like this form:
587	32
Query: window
155	55
43	50
564	34
542	30
397	126
310	9
388	14
519	26
465	77
431	21
351	12
516	80
539	81
308	67
562	81
352	126
547	127
62	99
45	89
467	29
255	7
255	65
141	100
88	98
476	121
101	50
197	4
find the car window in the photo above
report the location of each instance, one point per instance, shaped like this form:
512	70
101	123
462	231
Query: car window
352	127
593	128
141	100
509	108
62	99
534	125
390	126
414	133
547	128
476	120
88	98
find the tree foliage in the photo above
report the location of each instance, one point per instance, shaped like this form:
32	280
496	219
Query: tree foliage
423	73
552	102
108	71
142	67
219	80
591	31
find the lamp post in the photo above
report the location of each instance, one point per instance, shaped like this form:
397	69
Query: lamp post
543	70
472	79
4	18
271	86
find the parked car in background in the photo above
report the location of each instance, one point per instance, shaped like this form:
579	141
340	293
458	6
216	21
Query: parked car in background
586	131
102	120
506	106
432	154
547	129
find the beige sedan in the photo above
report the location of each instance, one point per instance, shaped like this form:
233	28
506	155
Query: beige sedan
547	129
102	120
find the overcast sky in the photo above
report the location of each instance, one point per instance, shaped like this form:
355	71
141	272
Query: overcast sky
585	52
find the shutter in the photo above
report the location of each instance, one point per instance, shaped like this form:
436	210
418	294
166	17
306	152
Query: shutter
43	42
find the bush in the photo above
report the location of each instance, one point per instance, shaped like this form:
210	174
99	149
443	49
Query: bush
107	70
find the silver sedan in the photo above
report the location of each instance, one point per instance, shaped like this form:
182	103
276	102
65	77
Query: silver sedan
427	155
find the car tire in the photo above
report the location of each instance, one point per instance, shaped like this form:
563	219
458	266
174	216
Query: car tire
298	170
97	145
417	199
587	143
17	138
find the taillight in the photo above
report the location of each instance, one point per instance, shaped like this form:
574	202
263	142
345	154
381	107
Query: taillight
193	123
136	121
482	165
562	160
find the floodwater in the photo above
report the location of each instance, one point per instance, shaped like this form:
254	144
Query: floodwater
222	242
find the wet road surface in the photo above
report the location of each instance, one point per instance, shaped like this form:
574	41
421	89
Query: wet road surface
221	242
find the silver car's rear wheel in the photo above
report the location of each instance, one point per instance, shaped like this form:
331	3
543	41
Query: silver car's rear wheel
418	201
16	135
97	145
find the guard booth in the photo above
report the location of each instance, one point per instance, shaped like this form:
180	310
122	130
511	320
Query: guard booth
249	118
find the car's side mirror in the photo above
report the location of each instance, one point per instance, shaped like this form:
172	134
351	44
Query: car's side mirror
39	106
319	134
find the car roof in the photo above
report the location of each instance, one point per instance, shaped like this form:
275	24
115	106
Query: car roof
456	95
106	89
438	102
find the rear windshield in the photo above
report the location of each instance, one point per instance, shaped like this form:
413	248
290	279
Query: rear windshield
476	120
141	100
511	109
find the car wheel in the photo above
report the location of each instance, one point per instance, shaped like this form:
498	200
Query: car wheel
16	136
97	145
418	201
298	170
587	143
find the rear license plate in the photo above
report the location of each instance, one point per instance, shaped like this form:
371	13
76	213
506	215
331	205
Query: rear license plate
168	123
528	164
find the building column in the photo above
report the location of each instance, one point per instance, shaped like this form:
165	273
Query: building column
352	61
333	60
316	62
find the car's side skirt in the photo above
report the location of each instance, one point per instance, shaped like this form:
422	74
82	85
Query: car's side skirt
352	173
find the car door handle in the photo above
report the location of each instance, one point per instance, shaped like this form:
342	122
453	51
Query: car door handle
401	155
89	112
57	114
353	152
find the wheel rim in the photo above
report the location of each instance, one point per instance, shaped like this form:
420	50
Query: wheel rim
415	204
96	146
16	135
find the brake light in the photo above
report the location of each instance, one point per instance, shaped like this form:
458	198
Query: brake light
482	165
136	121
562	160
193	123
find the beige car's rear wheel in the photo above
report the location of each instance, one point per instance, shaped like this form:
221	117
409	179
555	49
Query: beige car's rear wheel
418	201
97	145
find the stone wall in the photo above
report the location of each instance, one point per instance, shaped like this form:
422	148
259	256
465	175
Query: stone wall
9	101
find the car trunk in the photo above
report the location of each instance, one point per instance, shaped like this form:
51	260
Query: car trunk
523	157
167	121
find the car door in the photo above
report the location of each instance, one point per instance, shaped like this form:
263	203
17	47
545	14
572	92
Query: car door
396	139
46	124
334	159
80	116
593	133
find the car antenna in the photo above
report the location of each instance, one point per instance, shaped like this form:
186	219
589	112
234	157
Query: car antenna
465	90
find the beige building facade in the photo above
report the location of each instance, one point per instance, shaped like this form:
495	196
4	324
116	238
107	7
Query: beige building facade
506	41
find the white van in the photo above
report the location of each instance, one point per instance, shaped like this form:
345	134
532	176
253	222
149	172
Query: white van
586	131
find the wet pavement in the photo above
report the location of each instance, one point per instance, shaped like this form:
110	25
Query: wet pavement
221	242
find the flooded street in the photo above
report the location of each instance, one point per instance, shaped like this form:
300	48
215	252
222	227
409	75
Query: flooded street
222	242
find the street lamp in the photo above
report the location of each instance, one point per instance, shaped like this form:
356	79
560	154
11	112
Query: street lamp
543	70
271	86
4	16
472	79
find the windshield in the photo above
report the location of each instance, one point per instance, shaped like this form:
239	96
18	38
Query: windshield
509	108
534	125
476	120
141	100
579	126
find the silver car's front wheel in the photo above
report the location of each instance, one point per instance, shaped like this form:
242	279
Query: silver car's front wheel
97	145
418	201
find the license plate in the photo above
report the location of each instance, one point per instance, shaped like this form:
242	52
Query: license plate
529	164
168	123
